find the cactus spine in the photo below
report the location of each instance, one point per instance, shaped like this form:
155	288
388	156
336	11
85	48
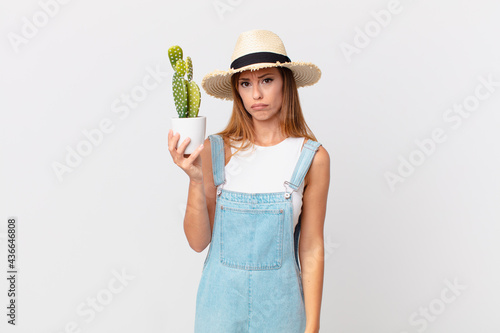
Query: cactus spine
187	95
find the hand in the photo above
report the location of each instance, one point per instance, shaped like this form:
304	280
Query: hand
190	163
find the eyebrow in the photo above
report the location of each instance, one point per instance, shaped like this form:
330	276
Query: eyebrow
246	79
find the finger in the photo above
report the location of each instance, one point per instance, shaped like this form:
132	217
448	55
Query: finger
172	142
183	145
194	155
169	138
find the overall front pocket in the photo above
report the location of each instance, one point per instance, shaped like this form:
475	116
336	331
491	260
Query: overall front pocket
251	239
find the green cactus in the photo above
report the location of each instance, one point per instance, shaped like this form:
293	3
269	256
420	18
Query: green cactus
180	67
189	64
194	97
174	54
187	95
180	95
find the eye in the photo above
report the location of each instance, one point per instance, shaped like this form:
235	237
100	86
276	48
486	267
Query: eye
244	84
267	80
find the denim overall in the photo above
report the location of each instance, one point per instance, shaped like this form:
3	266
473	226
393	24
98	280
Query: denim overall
251	278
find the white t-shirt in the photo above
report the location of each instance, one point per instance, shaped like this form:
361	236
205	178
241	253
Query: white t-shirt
264	170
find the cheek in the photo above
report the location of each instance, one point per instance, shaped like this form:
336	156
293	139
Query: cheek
278	94
244	96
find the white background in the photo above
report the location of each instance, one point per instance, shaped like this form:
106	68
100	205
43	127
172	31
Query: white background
389	250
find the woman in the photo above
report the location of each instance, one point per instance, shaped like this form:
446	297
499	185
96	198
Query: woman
258	276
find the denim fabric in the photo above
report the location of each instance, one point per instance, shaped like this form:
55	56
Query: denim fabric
251	278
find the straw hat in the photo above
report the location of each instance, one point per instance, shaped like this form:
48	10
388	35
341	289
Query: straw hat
257	49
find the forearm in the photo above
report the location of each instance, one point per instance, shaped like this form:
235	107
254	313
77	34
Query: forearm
196	220
312	267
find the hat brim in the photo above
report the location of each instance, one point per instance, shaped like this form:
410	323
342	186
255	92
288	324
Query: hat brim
218	83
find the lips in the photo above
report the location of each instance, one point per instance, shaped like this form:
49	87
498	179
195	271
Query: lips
259	106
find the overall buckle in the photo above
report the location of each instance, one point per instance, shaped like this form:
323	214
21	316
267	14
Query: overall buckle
288	194
219	188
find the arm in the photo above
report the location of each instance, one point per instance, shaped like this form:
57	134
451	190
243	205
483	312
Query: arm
311	242
200	207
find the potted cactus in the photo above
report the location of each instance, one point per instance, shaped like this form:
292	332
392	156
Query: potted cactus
187	98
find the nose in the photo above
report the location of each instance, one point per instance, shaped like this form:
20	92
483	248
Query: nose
257	93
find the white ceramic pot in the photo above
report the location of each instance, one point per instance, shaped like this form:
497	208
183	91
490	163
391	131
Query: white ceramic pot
194	128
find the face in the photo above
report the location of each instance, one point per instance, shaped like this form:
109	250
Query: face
261	92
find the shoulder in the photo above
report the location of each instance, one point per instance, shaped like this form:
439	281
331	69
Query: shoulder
320	167
321	160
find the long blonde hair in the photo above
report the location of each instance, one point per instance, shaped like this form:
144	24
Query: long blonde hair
292	122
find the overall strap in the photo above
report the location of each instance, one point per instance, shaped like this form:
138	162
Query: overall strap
218	158
306	156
